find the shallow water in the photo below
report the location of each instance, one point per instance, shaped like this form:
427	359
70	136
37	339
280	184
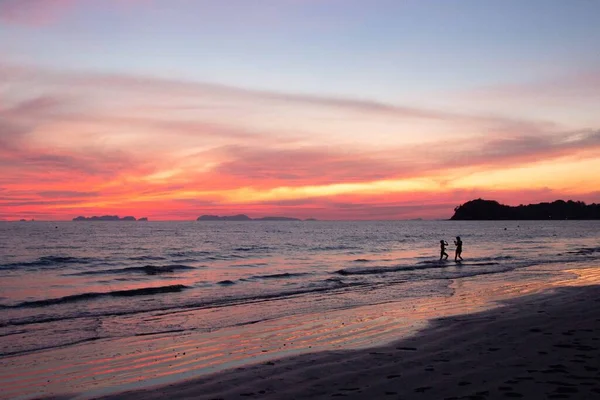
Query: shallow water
66	284
62	277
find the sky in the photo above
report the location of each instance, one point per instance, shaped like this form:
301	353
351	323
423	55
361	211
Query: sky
328	109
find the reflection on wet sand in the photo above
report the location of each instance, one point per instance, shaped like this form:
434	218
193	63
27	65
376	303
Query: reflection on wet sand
107	365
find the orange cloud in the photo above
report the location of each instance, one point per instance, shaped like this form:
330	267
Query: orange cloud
96	144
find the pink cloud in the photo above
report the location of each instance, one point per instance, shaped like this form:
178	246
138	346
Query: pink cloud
89	143
144	85
33	12
268	166
45	12
582	85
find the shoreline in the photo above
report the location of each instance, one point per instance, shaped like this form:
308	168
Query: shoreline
541	345
114	366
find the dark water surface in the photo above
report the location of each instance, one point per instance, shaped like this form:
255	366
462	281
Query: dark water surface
68	282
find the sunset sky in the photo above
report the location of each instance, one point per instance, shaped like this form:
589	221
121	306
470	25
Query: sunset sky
332	109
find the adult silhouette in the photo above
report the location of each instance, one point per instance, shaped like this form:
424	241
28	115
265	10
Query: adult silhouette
457	254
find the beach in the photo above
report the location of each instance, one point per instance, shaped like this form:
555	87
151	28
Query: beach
238	310
294	199
523	340
539	346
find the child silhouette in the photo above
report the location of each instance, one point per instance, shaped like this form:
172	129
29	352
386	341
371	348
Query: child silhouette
443	253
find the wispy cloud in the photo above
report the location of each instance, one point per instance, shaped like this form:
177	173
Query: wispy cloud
66	193
33	12
40	13
208	95
585	84
85	142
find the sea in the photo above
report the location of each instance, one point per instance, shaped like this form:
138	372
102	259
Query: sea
64	284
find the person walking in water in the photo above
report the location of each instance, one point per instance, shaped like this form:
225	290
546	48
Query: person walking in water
443	253
458	244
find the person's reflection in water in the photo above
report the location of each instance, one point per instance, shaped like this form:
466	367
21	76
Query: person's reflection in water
458	252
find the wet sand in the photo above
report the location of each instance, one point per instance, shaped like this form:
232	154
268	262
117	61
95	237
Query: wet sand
492	330
545	345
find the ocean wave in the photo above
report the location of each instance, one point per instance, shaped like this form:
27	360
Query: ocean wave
225	257
257	249
280	276
47	261
497	258
362	260
189	253
482	264
472	261
400	268
255	265
333	248
184	260
95	295
146	258
146	269
226	282
585	250
513	263
332	285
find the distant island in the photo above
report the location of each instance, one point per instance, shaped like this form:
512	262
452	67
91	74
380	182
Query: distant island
243	217
558	210
276	219
239	217
106	218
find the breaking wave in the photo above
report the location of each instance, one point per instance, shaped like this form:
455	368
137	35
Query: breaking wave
147	269
280	276
95	295
48	261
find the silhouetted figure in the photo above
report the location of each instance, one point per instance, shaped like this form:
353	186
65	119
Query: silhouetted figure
443	253
458	244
